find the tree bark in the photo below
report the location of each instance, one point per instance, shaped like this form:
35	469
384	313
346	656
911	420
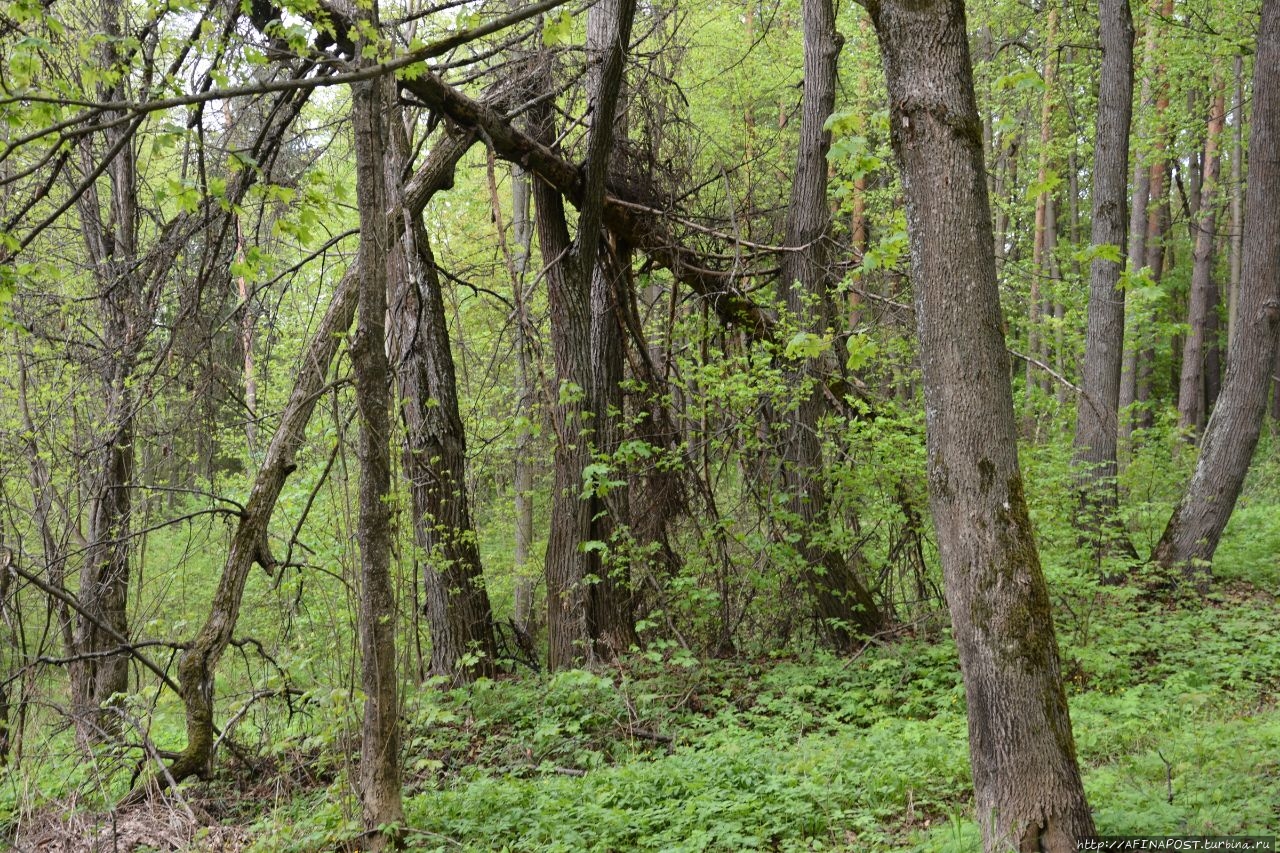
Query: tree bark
380	796
1193	392
1097	421
1190	539
1040	266
843	606
457	606
1026	780
588	611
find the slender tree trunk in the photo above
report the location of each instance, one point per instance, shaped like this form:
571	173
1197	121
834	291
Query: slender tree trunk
1189	541
1237	195
112	244
1137	251
1192	396
1157	221
1026	780
1044	201
380	734
522	232
1097	423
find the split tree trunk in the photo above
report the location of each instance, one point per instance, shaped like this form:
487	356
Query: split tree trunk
457	606
1026	780
588	605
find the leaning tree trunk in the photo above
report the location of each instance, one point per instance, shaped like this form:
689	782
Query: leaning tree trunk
1026	780
380	735
1097	424
842	604
1229	440
435	450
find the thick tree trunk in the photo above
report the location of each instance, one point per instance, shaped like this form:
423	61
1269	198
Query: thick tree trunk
842	604
1192	393
456	603
380	735
1026	780
588	607
1097	422
1229	440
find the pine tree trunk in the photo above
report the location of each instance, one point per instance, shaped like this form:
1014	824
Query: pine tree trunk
1026	780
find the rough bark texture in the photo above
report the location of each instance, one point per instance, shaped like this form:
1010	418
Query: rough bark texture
588	605
380	734
1193	392
110	235
435	450
1097	424
842	604
1026	780
1229	440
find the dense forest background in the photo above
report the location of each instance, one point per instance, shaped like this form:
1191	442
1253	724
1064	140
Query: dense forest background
786	425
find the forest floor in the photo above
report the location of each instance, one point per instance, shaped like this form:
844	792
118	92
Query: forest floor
1173	703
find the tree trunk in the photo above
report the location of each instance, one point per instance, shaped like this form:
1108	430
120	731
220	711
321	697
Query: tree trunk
1237	195
380	735
435	452
1229	440
588	611
1026	780
112	247
842	604
1097	424
1044	200
1137	252
1192	396
522	232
